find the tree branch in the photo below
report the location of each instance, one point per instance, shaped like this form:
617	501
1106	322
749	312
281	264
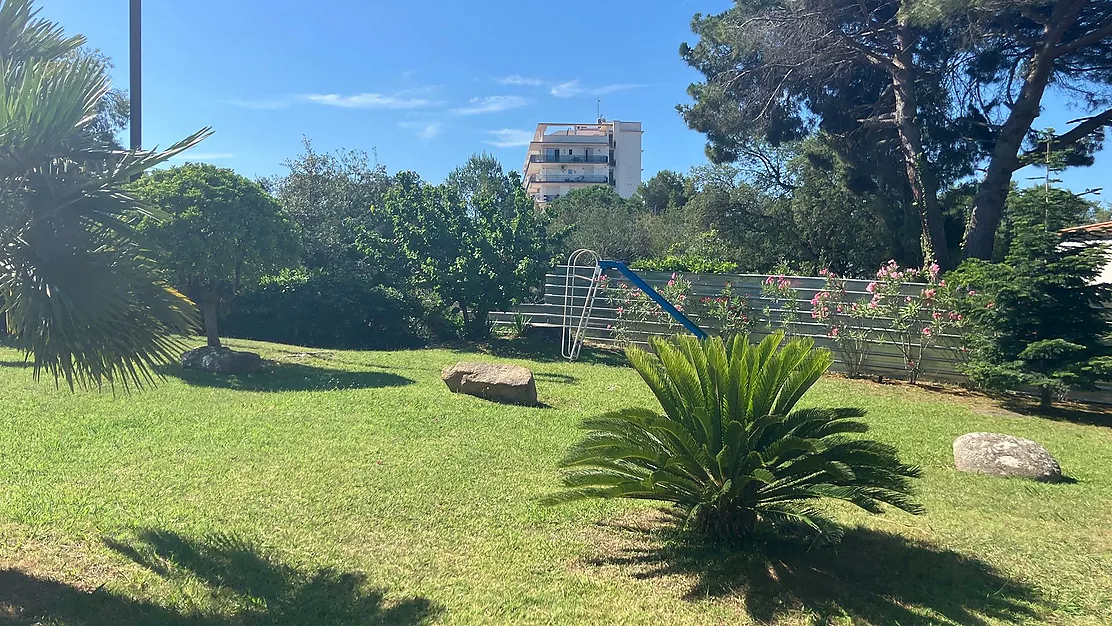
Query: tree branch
1087	127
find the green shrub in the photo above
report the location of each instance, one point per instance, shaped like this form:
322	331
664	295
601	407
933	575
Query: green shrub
730	450
685	263
1038	317
324	311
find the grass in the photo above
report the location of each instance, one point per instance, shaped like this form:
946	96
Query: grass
353	488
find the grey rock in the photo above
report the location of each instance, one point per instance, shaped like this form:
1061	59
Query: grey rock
1005	455
499	382
221	360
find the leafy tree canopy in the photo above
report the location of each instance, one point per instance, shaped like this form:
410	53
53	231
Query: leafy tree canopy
220	232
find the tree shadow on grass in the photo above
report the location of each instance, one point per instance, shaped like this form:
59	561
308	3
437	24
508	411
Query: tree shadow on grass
545	351
289	377
872	577
17	364
250	589
1075	412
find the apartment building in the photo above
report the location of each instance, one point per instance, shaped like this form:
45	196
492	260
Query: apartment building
563	157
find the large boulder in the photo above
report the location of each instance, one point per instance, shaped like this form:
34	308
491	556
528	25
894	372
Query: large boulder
499	382
221	360
1005	455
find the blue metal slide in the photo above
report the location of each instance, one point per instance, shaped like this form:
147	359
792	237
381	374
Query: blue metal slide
638	282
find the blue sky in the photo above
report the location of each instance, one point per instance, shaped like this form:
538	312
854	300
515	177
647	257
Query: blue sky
424	83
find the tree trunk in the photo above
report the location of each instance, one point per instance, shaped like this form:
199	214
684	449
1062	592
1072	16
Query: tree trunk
1046	398
208	308
911	144
992	194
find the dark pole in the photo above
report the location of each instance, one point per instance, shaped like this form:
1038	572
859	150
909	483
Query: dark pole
136	68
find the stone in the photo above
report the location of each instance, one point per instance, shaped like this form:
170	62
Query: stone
498	382
221	360
1005	455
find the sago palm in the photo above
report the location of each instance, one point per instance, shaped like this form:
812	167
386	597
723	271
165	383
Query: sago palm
731	449
77	292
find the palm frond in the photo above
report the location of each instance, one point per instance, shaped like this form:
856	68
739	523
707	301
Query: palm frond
731	449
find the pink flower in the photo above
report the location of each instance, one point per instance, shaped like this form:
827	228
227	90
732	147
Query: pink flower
937	315
927	331
839	308
770	280
942	283
609	327
908	299
934	269
972	293
621	310
824	272
871	287
834	332
672	282
990	305
679	307
673	276
928	293
785	283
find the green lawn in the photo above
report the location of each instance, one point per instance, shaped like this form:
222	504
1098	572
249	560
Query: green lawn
353	488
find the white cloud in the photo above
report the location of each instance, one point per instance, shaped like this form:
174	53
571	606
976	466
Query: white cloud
605	89
509	138
202	156
491	104
370	101
425	130
518	79
260	104
566	90
572	88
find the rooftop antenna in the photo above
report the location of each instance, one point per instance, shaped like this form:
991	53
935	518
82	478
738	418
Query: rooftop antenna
598	110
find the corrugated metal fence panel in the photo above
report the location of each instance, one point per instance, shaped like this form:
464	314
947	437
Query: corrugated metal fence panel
885	357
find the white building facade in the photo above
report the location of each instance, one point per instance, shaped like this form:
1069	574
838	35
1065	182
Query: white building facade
563	157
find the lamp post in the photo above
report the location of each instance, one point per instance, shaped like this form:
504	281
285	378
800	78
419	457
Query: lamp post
136	68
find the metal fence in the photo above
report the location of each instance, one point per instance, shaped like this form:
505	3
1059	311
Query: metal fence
884	356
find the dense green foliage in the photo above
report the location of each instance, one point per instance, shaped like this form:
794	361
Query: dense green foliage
482	250
685	263
1038	317
731	449
77	289
328	311
218	233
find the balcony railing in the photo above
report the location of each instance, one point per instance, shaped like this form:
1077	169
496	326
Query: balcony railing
569	178
568	158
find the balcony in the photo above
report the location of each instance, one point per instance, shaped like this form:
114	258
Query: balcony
568	158
569	178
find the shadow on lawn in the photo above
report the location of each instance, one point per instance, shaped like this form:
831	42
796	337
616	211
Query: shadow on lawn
1075	412
289	377
872	577
16	364
543	350
252	588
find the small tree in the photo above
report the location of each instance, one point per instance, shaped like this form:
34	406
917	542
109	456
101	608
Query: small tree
483	252
222	230
1038	315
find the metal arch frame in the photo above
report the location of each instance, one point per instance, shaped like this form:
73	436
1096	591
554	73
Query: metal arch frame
571	341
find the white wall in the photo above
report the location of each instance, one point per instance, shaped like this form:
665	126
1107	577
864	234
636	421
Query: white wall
627	157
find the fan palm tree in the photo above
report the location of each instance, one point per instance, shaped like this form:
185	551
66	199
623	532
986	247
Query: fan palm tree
731	449
77	291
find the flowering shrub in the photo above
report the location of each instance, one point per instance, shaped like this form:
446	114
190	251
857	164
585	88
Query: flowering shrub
916	322
784	297
846	322
730	312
